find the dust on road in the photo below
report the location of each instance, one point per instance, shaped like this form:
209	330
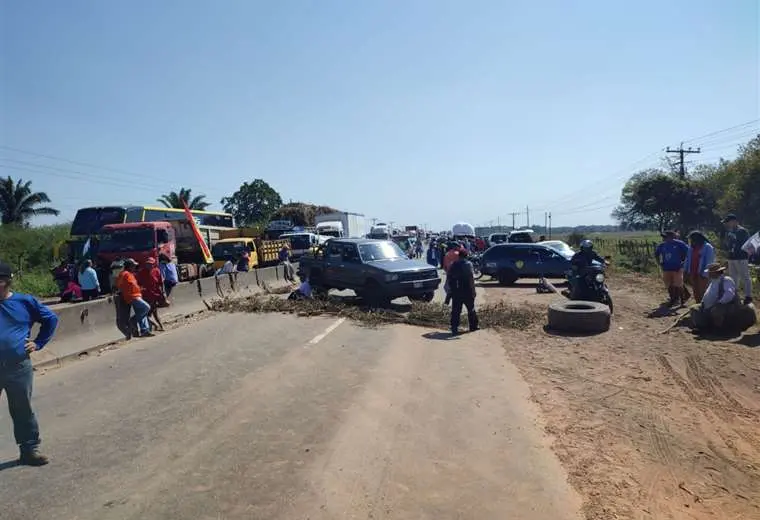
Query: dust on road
649	425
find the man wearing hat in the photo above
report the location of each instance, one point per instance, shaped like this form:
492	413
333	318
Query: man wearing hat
131	293
721	308
18	312
671	254
738	258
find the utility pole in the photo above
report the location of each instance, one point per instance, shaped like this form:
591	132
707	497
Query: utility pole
513	214
546	222
681	151
374	220
527	216
550	225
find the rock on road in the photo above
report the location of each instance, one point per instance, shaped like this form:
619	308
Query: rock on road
280	417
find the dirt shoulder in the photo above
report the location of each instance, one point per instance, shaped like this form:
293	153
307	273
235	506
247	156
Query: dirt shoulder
649	425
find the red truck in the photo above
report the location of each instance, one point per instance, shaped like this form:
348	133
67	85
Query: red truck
143	240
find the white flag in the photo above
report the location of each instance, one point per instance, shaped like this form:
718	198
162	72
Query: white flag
752	245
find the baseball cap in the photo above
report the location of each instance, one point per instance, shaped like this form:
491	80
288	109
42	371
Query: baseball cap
5	270
129	261
729	218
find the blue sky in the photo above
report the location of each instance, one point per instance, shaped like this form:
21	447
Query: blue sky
420	112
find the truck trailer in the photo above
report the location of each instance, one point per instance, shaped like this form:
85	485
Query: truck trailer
342	224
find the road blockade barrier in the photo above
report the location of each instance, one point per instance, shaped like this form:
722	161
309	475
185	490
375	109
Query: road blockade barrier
83	326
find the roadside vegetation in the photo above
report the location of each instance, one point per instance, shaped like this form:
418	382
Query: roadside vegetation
31	252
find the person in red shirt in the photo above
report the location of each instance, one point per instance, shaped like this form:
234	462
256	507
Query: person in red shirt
152	287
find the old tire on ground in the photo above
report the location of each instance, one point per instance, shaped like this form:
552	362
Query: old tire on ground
579	316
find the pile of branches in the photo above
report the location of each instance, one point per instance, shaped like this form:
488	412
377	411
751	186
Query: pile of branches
433	315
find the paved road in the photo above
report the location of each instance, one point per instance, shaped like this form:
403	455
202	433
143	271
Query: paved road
279	417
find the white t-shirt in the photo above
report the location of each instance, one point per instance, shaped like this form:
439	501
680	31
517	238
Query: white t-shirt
710	298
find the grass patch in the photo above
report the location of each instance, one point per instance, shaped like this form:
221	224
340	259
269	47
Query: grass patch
434	315
38	283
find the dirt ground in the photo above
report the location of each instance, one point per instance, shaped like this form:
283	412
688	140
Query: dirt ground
649	425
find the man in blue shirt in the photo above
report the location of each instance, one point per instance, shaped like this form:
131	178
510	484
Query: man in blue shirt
671	254
18	312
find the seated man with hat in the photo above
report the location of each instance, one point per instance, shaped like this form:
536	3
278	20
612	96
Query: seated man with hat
721	309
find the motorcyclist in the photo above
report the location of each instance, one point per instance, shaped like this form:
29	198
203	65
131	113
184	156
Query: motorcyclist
582	260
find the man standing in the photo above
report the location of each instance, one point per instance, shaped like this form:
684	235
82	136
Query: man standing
18	312
738	258
284	257
671	254
461	280
701	254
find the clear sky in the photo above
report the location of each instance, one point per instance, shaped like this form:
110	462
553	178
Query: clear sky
419	112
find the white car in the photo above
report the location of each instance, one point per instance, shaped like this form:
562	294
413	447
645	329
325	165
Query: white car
561	247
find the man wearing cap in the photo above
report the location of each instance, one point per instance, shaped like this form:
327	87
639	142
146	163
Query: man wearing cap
18	312
461	282
721	308
738	258
671	254
130	291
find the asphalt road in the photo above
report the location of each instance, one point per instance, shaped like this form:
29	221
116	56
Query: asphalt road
279	417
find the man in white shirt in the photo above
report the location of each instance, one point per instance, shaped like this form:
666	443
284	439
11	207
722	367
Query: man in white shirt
721	308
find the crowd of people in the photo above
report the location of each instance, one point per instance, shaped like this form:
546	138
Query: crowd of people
719	305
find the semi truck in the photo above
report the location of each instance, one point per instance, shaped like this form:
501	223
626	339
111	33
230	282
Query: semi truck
342	224
143	240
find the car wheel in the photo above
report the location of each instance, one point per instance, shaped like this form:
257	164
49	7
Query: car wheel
374	295
507	277
428	297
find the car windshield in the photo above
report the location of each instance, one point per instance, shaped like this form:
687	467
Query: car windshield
373	251
222	250
127	240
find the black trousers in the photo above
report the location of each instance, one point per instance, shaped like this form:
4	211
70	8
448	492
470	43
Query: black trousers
457	302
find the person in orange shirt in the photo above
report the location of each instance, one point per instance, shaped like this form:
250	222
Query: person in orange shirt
130	291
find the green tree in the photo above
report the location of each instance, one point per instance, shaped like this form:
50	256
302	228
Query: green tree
174	200
660	200
253	203
300	213
18	203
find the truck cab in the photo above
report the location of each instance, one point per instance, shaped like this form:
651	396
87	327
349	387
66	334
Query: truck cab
233	248
139	241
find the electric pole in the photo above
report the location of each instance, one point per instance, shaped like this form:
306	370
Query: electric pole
527	216
513	214
681	151
546	222
550	225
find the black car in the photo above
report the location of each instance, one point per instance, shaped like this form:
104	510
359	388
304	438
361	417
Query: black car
377	270
510	262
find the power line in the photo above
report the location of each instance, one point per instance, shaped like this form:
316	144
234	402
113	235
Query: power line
748	123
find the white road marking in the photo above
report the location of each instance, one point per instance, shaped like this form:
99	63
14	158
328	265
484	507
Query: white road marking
328	330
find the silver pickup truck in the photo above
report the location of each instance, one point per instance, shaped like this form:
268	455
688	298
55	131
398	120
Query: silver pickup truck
376	270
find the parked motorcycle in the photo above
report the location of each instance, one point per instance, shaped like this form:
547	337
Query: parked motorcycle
590	286
475	261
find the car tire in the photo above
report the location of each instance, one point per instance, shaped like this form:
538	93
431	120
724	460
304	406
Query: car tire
374	295
507	277
579	316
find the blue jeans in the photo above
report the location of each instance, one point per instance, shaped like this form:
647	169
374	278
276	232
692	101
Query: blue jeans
16	380
141	309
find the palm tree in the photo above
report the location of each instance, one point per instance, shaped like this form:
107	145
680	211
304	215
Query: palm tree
18	203
174	200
